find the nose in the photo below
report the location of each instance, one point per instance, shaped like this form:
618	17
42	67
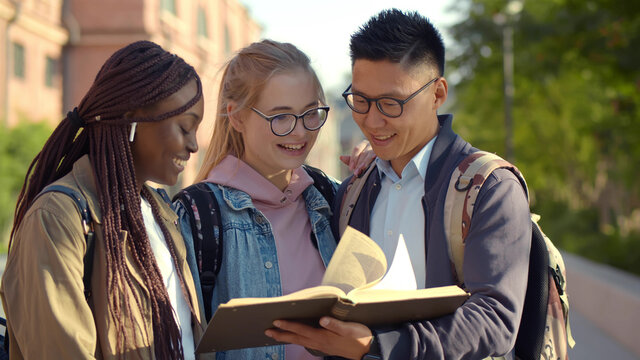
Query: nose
374	118
298	129
192	142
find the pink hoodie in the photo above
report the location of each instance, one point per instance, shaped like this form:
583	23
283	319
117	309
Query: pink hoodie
299	261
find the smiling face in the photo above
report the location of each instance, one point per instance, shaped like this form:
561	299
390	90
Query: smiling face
161	148
398	139
275	156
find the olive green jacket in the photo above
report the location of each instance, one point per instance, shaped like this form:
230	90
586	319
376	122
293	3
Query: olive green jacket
42	288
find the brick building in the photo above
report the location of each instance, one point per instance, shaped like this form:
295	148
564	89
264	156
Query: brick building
51	50
31	40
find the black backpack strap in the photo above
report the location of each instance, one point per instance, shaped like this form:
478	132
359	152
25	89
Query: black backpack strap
322	183
530	338
87	227
5	340
206	229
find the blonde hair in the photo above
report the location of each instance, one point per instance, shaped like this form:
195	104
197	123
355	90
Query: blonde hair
243	80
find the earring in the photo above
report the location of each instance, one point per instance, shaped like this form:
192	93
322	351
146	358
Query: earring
133	131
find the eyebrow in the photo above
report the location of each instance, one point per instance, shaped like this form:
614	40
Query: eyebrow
389	94
288	108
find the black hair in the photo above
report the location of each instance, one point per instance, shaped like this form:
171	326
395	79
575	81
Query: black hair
406	38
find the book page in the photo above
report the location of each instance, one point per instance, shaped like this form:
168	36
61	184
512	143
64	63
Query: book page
309	293
376	295
400	275
358	262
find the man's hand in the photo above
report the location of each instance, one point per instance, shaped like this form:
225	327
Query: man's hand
347	339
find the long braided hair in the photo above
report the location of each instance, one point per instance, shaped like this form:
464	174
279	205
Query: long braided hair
136	76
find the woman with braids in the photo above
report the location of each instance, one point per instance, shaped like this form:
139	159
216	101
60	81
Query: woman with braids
136	123
275	220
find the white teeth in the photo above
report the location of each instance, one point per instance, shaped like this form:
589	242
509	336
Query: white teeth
180	162
292	147
382	137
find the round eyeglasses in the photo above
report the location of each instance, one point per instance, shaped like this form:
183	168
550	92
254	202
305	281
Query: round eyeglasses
388	106
283	124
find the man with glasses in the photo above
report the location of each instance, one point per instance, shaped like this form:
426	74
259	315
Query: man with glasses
397	87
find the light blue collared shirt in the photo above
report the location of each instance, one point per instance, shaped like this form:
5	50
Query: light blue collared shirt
398	210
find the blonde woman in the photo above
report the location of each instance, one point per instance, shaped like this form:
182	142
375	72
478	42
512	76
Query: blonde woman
275	222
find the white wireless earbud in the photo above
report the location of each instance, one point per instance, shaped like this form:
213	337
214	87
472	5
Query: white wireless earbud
133	131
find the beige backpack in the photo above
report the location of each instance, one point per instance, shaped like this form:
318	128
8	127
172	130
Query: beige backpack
544	331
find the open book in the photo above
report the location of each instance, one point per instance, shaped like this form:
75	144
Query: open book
348	292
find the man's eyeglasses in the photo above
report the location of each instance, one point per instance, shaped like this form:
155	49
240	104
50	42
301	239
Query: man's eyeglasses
388	106
283	124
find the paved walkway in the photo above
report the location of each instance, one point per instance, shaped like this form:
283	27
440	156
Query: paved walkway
605	310
593	344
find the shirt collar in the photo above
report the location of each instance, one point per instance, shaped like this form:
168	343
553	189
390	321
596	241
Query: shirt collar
419	162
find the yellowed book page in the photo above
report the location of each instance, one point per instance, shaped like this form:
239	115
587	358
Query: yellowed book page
357	262
386	295
321	291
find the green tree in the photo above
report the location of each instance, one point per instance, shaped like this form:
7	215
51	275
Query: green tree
18	146
575	114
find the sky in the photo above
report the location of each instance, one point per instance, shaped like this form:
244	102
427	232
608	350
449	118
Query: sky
321	28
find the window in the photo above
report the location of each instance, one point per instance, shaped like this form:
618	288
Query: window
168	5
50	72
202	23
18	60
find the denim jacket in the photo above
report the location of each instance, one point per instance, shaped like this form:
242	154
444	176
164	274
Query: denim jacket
250	263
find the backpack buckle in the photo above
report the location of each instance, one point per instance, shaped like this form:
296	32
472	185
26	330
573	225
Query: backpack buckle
85	227
558	279
208	278
463	183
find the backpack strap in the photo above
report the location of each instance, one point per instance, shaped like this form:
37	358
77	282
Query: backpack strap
87	226
464	187
465	184
557	273
350	197
4	354
321	182
206	228
325	187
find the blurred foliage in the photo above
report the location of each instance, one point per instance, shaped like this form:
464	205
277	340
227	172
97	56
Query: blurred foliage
576	113
18	146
